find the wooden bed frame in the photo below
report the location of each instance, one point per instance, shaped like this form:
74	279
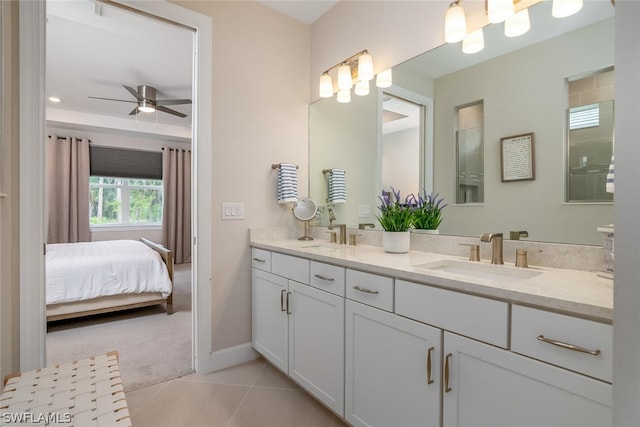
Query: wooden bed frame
113	303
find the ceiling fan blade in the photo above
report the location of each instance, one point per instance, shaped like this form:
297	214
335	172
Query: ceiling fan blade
134	92
134	111
170	111
111	99
172	101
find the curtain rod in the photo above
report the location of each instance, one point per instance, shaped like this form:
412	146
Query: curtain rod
175	149
64	137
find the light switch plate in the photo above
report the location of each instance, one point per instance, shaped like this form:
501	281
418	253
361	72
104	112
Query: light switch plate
232	210
364	211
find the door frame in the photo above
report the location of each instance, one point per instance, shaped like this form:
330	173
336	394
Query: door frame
33	219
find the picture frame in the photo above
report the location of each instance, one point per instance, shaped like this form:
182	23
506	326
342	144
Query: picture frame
517	160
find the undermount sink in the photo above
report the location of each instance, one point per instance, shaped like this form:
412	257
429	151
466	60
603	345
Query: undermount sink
481	271
321	246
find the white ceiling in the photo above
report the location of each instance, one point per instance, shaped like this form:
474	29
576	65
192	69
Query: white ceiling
306	11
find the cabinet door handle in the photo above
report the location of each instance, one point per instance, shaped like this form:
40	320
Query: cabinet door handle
568	346
365	290
321	277
282	300
447	389
288	294
259	260
429	379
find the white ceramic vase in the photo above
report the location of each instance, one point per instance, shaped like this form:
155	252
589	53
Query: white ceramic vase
396	242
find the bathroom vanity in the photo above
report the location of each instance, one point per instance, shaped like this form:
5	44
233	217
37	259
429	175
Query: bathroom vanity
435	340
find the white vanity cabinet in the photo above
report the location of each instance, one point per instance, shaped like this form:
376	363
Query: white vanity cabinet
392	369
485	386
298	328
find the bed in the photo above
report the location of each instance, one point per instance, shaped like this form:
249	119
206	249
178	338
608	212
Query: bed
90	278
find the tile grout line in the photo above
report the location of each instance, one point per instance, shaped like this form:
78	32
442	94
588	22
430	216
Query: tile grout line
235	411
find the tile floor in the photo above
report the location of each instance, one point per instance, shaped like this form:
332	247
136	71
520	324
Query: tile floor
253	394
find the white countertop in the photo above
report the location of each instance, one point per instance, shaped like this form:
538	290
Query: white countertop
572	292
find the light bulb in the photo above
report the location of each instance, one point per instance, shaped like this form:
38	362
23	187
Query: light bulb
564	8
518	24
55	99
365	67
344	77
474	42
344	96
384	78
499	10
455	23
362	88
326	86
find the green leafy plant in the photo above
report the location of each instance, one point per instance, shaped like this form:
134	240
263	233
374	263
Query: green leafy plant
427	212
395	215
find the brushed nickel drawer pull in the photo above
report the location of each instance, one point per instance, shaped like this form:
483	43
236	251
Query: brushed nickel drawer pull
447	389
282	299
321	277
288	307
568	346
429	379
259	260
365	290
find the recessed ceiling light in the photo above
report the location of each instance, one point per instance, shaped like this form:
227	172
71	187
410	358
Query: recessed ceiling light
55	99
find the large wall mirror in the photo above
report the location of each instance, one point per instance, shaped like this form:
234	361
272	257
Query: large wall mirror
523	86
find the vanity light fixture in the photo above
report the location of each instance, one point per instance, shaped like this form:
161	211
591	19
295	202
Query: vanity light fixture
499	10
517	24
455	23
564	8
474	42
357	68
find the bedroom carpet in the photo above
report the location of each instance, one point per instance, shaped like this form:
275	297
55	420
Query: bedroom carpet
153	346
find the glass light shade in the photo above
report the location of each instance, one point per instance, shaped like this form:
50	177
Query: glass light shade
455	24
474	42
326	86
146	107
499	10
344	96
384	78
365	67
564	8
344	77
518	24
362	88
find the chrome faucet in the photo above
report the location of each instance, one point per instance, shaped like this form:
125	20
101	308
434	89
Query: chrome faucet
343	232
496	246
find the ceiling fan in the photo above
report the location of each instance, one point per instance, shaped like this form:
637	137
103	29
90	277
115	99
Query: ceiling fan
145	97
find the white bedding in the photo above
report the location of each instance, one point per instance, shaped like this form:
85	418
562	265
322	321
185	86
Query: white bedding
87	270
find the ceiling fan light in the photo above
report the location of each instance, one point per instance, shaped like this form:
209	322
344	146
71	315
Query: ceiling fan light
365	67
344	77
518	24
326	86
499	10
384	78
564	8
455	23
146	107
474	42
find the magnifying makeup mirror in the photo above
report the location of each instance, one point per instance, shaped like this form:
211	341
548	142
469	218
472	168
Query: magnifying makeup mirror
305	210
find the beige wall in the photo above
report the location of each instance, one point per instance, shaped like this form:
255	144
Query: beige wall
260	117
9	263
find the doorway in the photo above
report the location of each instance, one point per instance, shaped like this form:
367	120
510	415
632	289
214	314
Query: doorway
32	21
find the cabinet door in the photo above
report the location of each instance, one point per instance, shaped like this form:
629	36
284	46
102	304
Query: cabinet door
269	317
490	387
316	343
392	369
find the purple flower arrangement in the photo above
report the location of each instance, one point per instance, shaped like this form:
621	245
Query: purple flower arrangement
422	212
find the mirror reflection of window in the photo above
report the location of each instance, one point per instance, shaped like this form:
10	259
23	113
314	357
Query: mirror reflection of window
402	130
590	136
470	153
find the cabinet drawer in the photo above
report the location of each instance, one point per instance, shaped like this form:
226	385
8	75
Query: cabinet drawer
553	338
327	277
370	289
479	318
291	267
261	259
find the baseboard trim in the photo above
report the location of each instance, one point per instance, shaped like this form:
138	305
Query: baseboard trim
227	357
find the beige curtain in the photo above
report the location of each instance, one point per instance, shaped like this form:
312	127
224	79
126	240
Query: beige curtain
176	213
68	189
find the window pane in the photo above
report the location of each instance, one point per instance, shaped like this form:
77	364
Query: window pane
105	205
145	206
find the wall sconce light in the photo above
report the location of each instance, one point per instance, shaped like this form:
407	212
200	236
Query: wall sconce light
515	24
358	68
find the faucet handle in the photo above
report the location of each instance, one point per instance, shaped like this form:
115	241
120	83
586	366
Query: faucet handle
516	235
474	251
521	257
333	237
352	239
